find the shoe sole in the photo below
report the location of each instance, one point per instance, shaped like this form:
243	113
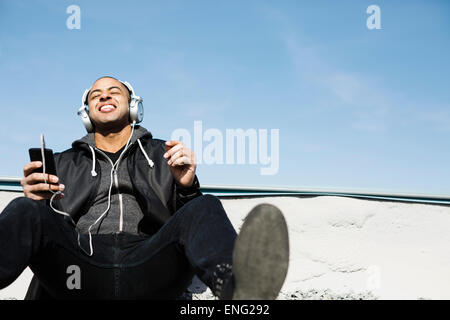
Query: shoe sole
261	255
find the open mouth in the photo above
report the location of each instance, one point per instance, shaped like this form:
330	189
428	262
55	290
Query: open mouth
107	108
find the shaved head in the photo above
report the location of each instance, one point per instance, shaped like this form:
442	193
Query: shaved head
109	101
110	77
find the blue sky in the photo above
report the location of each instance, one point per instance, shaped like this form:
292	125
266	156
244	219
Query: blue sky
355	108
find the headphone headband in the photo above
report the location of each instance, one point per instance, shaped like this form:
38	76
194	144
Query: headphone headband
135	107
84	99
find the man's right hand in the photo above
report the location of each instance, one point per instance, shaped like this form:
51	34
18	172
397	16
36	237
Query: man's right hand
33	184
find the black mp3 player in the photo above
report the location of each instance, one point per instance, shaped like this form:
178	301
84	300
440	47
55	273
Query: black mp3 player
48	163
36	155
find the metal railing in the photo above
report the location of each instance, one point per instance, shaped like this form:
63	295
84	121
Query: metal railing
12	184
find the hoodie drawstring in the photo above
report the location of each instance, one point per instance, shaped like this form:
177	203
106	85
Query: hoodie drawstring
93	172
150	162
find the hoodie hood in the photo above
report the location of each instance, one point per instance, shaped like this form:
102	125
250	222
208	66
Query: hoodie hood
88	143
88	140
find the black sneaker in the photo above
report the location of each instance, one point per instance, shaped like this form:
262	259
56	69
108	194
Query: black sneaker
261	255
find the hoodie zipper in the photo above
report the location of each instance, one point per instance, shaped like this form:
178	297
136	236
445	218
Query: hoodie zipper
116	184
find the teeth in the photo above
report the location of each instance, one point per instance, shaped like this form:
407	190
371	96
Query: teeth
107	107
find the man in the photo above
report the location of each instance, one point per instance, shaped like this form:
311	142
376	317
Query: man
133	222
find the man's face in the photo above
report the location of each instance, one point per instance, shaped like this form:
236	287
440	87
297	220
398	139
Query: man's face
108	103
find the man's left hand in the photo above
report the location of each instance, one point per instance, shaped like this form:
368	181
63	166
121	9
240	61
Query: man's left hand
181	161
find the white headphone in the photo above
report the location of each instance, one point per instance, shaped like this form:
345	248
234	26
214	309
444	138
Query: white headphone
135	108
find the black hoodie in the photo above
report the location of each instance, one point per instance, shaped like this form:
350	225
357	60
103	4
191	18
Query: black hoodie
150	192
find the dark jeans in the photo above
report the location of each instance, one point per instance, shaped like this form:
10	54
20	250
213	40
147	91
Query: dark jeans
193	241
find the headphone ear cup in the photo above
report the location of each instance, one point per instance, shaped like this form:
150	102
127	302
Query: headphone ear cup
132	111
136	110
84	114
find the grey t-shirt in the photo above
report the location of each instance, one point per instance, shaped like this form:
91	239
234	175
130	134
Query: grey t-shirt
124	212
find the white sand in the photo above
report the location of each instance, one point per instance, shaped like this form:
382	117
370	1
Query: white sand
358	247
344	248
